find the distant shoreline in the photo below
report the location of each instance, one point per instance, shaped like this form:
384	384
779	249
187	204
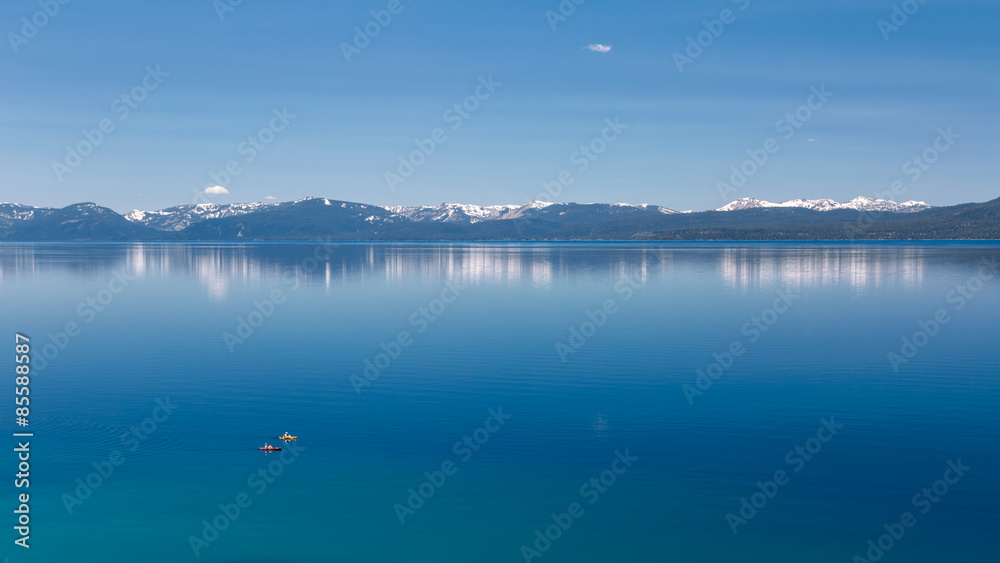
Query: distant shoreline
887	242
323	219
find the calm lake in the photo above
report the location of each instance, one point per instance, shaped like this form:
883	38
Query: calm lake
506	402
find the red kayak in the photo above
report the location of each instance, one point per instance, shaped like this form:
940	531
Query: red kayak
270	449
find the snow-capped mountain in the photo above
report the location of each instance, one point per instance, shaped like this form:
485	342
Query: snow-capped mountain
80	221
857	204
10	212
178	218
182	216
464	213
326	219
646	206
451	212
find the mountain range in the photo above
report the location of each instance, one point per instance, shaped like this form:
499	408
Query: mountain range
858	204
328	219
181	217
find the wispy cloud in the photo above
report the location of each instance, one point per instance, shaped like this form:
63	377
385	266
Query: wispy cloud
599	47
216	190
270	197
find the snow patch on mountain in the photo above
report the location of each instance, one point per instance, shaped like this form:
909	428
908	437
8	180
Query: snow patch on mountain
857	204
17	212
458	212
451	212
181	217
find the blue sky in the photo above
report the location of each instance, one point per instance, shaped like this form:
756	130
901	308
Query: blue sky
226	78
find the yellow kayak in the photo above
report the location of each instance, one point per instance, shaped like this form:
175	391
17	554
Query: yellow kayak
288	437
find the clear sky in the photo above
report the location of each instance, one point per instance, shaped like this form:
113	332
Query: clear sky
221	80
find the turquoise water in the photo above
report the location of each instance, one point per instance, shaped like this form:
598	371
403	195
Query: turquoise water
799	333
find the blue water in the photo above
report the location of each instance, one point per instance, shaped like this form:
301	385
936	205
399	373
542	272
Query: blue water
832	314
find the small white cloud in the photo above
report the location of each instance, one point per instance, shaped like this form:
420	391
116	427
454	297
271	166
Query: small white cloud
599	47
216	190
270	197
